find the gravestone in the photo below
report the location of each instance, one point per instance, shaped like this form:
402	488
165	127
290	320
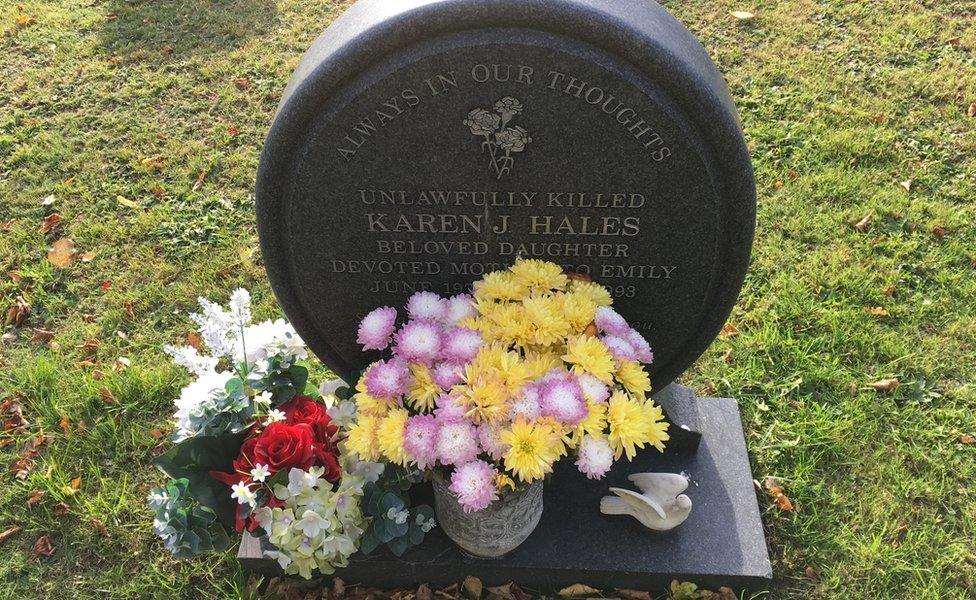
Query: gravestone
423	143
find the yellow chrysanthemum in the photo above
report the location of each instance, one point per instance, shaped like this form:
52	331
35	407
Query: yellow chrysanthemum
371	405
532	449
361	438
539	275
503	481
634	378
539	363
577	309
486	399
389	436
545	315
423	391
594	423
594	291
588	354
633	424
499	285
510	325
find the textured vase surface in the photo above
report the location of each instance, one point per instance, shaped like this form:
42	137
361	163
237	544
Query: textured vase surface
493	531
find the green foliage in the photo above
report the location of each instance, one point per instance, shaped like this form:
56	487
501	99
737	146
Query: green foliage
393	521
186	526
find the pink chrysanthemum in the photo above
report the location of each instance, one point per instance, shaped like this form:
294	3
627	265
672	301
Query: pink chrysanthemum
641	348
426	306
474	485
595	457
449	410
594	390
610	321
491	441
376	328
446	375
418	342
562	399
458	308
526	405
457	442
387	379
460	344
420	440
619	347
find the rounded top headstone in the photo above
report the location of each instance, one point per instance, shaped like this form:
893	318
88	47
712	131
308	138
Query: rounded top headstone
423	143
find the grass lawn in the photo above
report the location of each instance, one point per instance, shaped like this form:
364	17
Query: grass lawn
140	123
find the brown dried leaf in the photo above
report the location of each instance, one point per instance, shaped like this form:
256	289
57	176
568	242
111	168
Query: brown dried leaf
811	573
61	509
156	434
889	291
590	330
107	396
578	590
41	336
864	223
100	527
876	311
472	587
35	498
87	256
971	111
633	594
967	439
907	185
9	533
729	330
778	494
423	592
155	162
193	340
96	374
62	253
7	225
65	424
42	547
886	385
243	83
939	231
743	15
18	313
199	182
50	223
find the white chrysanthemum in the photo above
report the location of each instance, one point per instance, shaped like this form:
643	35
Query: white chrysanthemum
459	307
196	396
595	457
268	339
594	390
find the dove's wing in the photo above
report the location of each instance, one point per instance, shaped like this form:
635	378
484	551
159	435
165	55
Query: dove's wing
662	487
639	504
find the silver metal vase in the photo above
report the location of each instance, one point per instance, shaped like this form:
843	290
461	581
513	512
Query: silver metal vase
493	531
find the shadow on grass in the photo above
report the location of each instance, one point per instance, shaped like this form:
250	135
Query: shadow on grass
184	27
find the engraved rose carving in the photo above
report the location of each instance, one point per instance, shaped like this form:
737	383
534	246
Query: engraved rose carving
513	139
499	139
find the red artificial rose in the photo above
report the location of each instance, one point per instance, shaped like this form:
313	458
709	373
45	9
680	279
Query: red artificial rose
285	446
303	409
242	465
324	457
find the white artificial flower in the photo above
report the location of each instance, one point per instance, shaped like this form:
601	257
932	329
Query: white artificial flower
242	493
275	415
264	398
240	308
193	361
329	386
264	340
399	517
158	497
215	326
342	413
194	397
425	525
311	523
260	472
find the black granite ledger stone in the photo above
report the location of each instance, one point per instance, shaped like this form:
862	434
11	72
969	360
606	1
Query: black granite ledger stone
617	152
721	543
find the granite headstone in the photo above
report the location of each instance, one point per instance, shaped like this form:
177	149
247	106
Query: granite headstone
423	143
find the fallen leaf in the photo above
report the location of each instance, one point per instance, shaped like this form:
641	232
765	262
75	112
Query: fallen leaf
18	313
193	340
106	284
62	253
24	19
971	112
156	434
876	311
967	439
811	573
42	547
729	330
633	594
954	42
21	467
778	184
48	200
939	231
243	83
907	184
73	486
14	276
87	256
578	590
61	509
472	585
41	336
100	527
126	202
743	15
65	424
89	349
107	396
96	374
889	291
35	498
778	494
423	592
863	224
9	533
727	357
233	131
199	182
50	223
156	162
130	310
886	385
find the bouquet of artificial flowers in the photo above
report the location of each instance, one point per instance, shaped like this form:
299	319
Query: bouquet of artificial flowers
494	387
256	450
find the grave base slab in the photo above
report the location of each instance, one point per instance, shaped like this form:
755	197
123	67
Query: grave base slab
721	543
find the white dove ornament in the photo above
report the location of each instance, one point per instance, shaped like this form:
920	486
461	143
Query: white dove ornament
660	507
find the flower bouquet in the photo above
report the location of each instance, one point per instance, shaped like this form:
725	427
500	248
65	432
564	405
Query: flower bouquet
486	392
256	450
